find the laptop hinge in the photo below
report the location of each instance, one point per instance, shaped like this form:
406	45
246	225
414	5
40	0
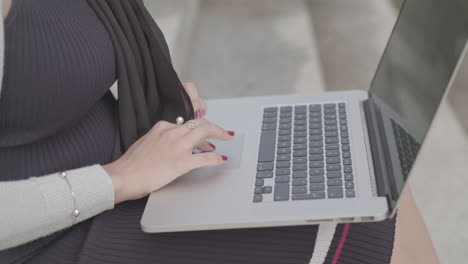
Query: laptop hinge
381	168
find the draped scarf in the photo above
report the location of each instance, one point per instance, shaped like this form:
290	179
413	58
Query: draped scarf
149	89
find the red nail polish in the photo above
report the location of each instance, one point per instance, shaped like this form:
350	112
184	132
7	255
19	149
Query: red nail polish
231	133
213	146
224	157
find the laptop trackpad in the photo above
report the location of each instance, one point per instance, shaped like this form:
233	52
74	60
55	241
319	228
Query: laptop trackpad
232	149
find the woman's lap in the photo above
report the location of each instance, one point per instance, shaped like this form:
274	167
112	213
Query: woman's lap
115	237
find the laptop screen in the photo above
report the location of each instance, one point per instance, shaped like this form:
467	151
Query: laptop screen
414	73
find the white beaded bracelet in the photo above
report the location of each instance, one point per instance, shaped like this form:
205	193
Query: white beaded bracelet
76	212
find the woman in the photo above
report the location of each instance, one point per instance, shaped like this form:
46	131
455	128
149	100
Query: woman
57	119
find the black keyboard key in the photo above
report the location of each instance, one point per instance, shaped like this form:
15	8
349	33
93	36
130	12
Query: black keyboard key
284	151
333	160
345	141
316	138
281	192
315	132
329	111
348	169
270	109
328	106
259	182
349	185
267	189
331	134
315	126
334	174
300	153
300	140
346	154
286	115
284	144
300	128
315	172
315	120
299	182
334	167
286	109
331	140
335	192
333	153
300	146
285	126
317	187
300	122
270	114
315	114
284	138
334	182
282	179
280	172
347	161
257	198
300	109
344	135
309	196
299	174
314	151
300	160
344	128
317	179
315	157
299	167
341	105
284	132
300	117
332	146
331	128
330	122
316	144
258	190
348	177
345	148
269	120
283	157
300	134
315	108
299	189
330	116
267	146
350	194
265	166
285	121
264	174
316	164
283	164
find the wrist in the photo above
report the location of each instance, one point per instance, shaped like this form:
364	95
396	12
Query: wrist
117	182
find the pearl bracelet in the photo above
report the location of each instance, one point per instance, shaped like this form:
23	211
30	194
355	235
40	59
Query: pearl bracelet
76	212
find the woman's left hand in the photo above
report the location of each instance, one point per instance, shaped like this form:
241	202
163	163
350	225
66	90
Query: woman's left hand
199	106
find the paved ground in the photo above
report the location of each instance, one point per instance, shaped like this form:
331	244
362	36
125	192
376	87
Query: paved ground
247	47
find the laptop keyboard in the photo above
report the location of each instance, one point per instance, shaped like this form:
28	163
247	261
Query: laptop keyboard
304	153
407	146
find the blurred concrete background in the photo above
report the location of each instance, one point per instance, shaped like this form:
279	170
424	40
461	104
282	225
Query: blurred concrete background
262	47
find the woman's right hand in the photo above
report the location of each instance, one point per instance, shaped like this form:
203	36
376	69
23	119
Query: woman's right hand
162	155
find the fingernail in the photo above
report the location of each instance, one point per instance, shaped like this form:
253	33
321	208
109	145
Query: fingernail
231	133
213	146
224	157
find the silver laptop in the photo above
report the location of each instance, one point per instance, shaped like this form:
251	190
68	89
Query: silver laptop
336	156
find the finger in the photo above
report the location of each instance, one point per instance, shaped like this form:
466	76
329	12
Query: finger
206	130
206	146
196	113
207	159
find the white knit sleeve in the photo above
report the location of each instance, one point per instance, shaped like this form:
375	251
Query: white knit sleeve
33	208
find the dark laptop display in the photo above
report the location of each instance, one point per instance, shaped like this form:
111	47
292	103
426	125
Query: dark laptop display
412	78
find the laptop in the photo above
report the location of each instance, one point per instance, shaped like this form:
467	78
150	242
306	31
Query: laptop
336	156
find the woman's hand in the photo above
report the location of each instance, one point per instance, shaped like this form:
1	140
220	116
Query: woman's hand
199	106
162	155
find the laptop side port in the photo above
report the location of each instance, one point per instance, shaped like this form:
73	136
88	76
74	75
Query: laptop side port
318	221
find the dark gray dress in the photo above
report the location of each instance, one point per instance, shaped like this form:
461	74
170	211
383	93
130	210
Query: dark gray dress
56	113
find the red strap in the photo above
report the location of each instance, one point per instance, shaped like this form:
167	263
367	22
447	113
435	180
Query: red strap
341	244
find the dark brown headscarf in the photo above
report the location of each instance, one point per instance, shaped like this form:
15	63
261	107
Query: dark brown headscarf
149	89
